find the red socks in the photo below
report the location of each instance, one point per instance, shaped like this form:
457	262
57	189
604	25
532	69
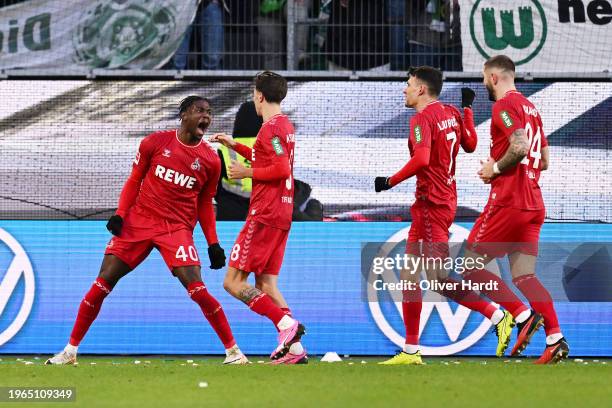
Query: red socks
468	298
540	301
503	295
411	310
213	312
262	304
92	302
89	309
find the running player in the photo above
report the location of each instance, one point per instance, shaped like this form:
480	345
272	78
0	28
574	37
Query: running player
511	221
260	246
436	132
173	181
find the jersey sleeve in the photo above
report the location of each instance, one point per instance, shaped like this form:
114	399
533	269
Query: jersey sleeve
140	166
469	138
206	210
420	133
244	151
417	162
143	156
275	141
506	119
276	147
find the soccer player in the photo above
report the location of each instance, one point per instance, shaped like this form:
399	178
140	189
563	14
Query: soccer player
436	132
511	221
173	181
260	246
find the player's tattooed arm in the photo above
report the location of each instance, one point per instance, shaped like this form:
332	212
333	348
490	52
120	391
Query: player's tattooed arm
248	294
519	147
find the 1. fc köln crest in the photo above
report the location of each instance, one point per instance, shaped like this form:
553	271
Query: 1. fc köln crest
195	165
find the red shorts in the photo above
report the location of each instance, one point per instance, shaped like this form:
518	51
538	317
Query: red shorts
259	248
504	230
430	224
141	233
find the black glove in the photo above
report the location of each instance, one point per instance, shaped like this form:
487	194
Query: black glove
217	256
381	183
467	97
115	224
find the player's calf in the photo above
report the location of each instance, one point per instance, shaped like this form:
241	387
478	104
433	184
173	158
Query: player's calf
213	312
88	310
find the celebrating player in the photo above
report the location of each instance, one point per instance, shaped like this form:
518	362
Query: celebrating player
511	221
260	246
436	132
173	181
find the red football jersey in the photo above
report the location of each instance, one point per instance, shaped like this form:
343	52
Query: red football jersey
440	128
272	201
175	176
517	187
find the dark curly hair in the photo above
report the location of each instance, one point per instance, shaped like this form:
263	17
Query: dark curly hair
188	101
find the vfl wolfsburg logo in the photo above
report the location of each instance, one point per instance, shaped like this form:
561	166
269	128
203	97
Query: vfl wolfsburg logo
516	28
111	33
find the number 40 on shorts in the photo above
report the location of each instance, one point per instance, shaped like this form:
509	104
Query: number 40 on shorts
182	254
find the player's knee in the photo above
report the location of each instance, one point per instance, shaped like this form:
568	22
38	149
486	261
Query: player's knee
109	276
113	269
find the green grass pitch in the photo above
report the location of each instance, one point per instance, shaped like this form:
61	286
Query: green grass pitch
356	382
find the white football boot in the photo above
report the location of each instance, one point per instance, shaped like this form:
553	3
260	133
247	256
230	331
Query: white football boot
65	357
235	356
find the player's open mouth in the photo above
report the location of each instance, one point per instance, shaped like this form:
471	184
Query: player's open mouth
202	126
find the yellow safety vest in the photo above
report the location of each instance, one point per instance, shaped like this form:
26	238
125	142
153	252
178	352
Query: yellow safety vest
242	187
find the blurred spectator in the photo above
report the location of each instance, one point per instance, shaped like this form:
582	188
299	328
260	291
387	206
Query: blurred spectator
233	195
212	34
272	25
398	35
209	25
241	35
357	35
435	34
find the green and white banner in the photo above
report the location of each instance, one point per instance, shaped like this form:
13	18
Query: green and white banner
539	35
141	34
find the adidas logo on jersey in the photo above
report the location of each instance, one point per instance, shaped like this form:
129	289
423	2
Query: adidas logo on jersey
175	177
